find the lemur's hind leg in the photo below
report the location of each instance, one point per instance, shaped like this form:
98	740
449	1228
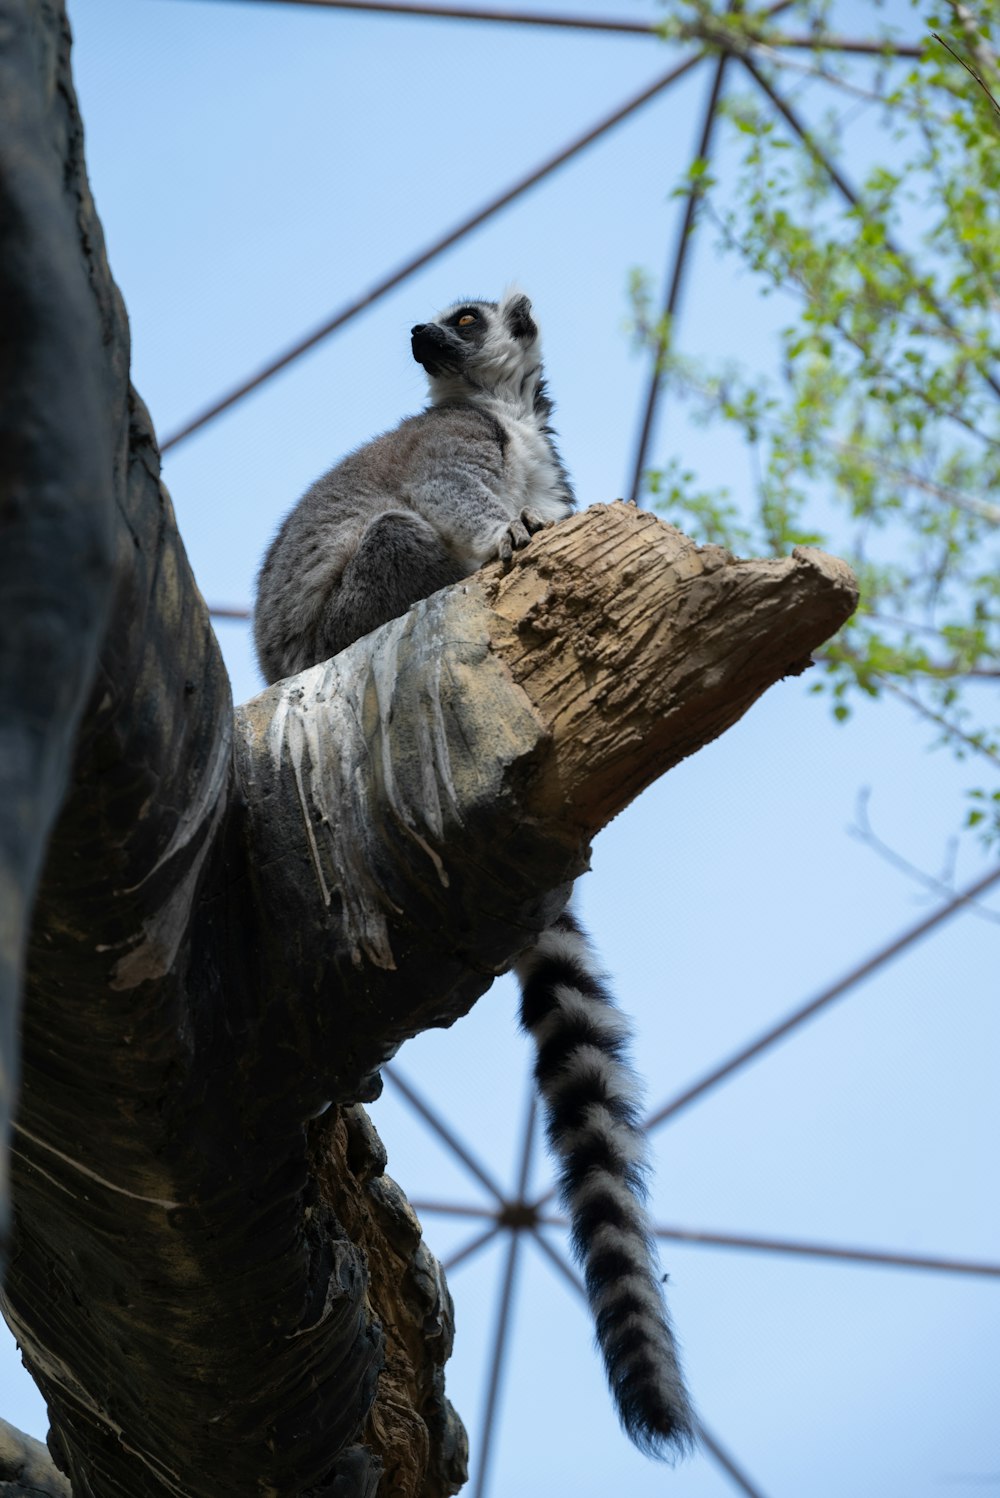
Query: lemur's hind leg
399	559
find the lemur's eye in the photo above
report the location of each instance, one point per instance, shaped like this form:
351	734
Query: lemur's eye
466	318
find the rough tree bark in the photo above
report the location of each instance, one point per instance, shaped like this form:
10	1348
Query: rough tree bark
237	918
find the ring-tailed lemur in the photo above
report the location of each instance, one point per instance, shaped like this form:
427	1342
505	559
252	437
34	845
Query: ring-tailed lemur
465	482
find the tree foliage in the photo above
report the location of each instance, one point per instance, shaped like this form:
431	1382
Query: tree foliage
878	433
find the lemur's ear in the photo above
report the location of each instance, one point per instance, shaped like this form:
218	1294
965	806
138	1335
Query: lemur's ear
517	315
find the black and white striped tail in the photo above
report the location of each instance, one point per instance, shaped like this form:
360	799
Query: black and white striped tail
593	1127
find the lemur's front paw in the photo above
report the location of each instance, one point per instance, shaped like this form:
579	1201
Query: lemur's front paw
533	522
511	539
518	533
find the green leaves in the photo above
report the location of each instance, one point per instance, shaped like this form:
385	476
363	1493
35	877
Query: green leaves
878	434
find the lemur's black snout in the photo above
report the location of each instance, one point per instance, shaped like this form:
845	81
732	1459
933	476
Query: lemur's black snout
429	344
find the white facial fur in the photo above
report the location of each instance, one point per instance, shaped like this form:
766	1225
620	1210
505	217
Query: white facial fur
503	367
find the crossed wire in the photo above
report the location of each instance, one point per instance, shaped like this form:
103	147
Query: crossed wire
518	1215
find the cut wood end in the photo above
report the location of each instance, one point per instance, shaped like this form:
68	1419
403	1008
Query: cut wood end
815	590
832	570
636	646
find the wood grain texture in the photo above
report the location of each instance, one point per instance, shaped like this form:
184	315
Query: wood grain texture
636	647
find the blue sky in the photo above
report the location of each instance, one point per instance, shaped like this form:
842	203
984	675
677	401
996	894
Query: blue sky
256	166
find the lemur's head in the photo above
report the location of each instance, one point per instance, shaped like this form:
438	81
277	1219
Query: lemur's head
481	347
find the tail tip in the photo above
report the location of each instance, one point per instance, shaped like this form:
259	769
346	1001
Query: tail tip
657	1416
669	1436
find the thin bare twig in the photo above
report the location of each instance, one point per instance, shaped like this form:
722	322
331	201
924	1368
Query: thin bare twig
984	55
863	831
970	70
951	729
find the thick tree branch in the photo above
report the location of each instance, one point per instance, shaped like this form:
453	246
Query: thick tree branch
516	713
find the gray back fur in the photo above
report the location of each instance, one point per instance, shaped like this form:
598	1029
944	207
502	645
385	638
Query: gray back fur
466	481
